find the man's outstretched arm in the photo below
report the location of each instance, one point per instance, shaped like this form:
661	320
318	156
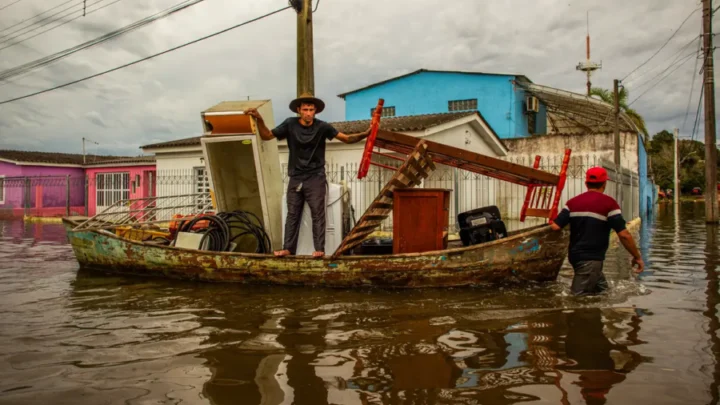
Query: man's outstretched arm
352	138
265	133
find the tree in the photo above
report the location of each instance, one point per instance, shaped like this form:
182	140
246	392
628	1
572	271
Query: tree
608	97
692	164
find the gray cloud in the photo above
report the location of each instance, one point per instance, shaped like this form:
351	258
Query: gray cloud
356	44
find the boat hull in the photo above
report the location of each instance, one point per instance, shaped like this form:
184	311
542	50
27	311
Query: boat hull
533	256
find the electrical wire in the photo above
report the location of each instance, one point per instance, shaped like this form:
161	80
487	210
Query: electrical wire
50	17
676	55
34	65
679	64
692	89
57	26
663	46
147	57
316	6
35	16
6	6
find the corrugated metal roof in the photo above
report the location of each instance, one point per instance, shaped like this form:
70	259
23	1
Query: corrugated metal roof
53	158
570	112
126	161
404	123
521	77
192	141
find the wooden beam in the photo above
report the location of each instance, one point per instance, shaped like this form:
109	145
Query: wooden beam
449	155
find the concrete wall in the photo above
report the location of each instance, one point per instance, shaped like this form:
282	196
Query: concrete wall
429	92
602	145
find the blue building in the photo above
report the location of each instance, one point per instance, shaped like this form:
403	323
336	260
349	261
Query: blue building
509	109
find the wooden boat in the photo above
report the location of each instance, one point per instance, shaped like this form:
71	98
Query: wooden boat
532	255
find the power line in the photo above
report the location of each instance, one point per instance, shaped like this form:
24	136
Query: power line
37	64
59	25
4	7
663	46
148	57
39	21
316	5
692	88
681	62
676	55
35	16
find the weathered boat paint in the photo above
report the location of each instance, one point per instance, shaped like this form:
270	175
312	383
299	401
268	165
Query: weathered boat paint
531	256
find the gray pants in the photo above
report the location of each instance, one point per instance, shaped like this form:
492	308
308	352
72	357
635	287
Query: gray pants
313	191
589	278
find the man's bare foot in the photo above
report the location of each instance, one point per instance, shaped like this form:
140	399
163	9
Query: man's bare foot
282	253
318	255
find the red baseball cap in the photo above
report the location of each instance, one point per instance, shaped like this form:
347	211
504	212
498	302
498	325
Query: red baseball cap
596	175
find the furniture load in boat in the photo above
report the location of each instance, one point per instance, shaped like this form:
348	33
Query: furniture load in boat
141	236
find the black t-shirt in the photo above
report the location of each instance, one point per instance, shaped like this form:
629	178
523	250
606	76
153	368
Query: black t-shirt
306	145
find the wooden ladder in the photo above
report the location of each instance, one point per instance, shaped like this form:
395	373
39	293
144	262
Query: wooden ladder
417	166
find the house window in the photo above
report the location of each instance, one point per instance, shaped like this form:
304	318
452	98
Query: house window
462	105
2	189
386	112
111	188
201	184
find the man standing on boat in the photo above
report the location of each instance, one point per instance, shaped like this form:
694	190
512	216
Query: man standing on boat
306	136
592	215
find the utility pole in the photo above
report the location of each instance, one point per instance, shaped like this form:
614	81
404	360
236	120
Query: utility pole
83	148
711	202
305	70
676	168
618	173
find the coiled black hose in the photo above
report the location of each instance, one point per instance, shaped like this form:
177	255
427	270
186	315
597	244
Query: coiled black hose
218	233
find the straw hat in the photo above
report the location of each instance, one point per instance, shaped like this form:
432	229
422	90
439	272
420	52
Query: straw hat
307	98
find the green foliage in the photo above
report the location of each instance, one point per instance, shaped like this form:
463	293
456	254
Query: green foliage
692	162
608	97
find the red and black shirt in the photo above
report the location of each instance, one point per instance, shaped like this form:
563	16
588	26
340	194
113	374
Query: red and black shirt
591	215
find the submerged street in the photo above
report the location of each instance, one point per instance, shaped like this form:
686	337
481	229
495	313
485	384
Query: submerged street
76	337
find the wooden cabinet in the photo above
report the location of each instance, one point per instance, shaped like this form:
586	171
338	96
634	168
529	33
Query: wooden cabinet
420	219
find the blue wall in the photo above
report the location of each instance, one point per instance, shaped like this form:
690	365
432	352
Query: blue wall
429	92
647	199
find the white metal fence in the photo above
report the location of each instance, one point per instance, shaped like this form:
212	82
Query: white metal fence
471	190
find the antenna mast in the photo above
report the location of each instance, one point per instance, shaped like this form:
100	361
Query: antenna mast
588	66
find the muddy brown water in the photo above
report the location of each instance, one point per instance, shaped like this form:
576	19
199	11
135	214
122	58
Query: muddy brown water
75	337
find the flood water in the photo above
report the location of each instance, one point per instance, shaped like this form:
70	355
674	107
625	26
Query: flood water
73	337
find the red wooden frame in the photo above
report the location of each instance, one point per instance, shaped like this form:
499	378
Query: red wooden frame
538	198
370	142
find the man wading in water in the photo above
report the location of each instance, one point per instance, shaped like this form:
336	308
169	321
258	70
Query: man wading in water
592	215
306	138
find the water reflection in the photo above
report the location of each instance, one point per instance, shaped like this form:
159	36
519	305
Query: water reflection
69	336
284	346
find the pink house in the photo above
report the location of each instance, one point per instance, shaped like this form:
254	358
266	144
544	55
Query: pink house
57	184
119	179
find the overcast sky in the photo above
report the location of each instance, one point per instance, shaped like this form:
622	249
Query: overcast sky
356	43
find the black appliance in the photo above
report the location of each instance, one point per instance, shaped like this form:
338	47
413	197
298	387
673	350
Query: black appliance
376	246
481	225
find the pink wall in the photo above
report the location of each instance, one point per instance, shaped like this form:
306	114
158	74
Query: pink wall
141	190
